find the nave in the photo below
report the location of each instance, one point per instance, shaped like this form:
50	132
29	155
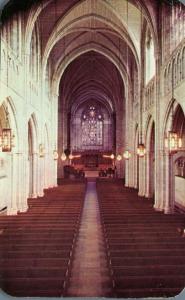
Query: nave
76	241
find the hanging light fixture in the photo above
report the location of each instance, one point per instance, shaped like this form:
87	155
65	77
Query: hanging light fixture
119	157
141	150
70	156
63	156
6	136
173	142
127	154
112	156
55	155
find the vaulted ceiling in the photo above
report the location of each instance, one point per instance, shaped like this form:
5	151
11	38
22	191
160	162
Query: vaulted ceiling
91	45
92	77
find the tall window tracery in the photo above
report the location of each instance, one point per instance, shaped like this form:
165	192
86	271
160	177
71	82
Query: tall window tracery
92	126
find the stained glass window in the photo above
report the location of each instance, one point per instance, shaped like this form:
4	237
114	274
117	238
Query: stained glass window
92	126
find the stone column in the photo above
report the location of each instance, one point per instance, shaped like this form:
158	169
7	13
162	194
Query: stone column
135	170
128	170
169	203
36	178
21	185
12	208
141	191
54	164
131	172
147	183
160	181
40	174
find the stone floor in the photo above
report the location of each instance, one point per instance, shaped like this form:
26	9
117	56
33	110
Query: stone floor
90	275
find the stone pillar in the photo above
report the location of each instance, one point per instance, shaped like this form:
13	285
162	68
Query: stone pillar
21	184
131	174
54	164
147	183
40	174
12	208
159	155
135	170
119	168
36	179
160	162
169	201
127	172
141	191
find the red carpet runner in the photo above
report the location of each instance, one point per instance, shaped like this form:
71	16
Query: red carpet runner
36	248
145	249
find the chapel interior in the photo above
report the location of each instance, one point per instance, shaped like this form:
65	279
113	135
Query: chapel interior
92	148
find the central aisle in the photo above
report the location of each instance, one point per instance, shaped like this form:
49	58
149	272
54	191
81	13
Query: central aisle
90	276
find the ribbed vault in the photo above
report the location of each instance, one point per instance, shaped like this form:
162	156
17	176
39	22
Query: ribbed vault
92	75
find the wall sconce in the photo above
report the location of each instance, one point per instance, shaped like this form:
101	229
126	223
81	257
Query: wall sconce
141	150
41	150
63	157
55	155
127	154
119	157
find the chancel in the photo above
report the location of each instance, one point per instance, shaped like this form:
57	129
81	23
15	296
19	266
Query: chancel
92	148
